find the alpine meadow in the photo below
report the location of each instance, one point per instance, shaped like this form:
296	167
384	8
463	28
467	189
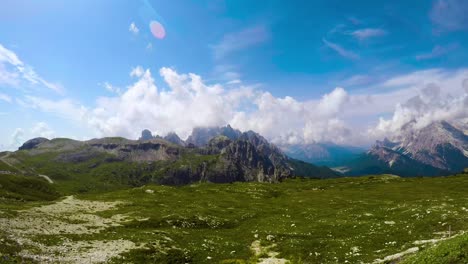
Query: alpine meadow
234	132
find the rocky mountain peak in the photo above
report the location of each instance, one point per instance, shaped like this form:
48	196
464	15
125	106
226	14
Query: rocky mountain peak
32	143
439	144
146	135
201	135
174	138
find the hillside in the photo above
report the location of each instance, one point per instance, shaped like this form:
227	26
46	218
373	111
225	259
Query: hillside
113	163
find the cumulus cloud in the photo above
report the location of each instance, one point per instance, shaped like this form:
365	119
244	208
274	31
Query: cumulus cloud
14	72
428	106
42	129
340	50
187	101
133	28
190	102
17	138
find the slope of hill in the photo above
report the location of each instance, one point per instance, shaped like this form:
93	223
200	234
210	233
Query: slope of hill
110	163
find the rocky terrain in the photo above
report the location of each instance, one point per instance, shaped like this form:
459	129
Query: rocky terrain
228	156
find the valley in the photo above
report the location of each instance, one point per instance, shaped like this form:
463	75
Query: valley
223	196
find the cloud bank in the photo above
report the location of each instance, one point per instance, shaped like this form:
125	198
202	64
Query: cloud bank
187	101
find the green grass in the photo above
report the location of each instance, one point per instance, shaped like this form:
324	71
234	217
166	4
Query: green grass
308	221
26	188
452	251
312	221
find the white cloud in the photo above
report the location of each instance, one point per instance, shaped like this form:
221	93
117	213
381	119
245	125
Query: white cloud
226	72
5	97
436	98
437	51
9	56
366	33
190	103
235	81
133	28
41	129
17	138
13	72
243	39
337	116
111	88
65	108
340	50
449	15
137	72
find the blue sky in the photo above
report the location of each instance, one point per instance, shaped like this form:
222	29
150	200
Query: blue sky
296	71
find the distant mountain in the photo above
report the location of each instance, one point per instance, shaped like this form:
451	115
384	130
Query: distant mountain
174	138
328	154
201	135
170	137
436	149
229	156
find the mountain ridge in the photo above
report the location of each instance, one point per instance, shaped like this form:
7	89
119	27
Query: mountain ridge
436	149
246	157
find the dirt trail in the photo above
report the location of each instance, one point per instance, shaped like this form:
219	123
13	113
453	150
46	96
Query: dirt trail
260	250
67	217
7	162
412	250
47	178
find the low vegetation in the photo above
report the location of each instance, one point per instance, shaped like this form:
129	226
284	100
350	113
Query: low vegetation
374	219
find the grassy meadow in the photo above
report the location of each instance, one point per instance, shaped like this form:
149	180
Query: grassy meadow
346	220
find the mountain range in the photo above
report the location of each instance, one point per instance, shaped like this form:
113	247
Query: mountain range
226	155
218	155
436	149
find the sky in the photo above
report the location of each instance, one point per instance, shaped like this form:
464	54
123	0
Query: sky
297	72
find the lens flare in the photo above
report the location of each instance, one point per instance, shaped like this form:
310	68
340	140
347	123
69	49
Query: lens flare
157	29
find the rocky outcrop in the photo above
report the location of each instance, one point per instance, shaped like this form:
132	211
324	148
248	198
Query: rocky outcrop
146	135
255	164
174	138
202	135
32	143
137	151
